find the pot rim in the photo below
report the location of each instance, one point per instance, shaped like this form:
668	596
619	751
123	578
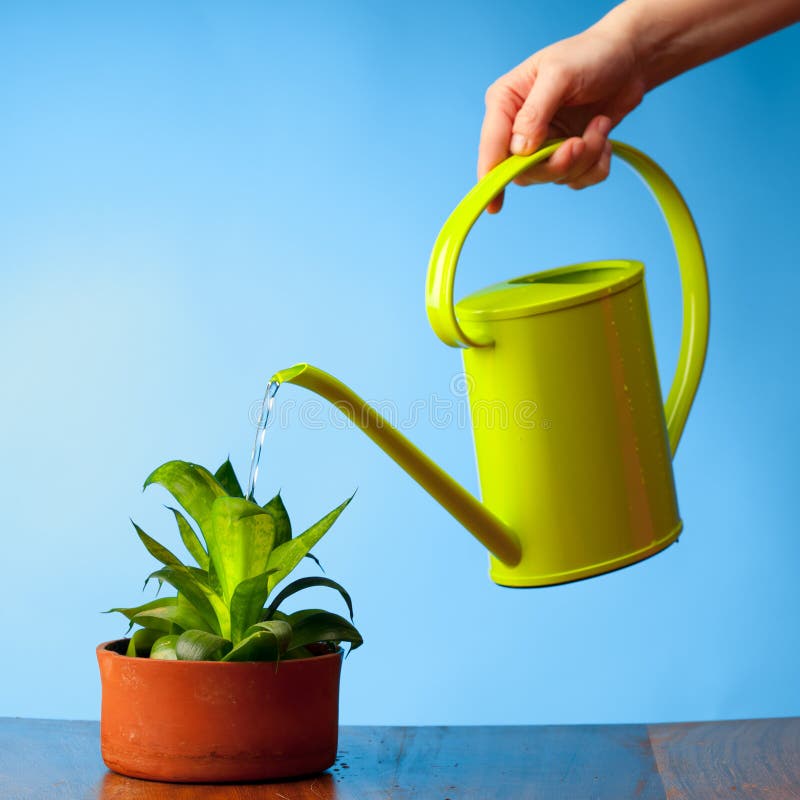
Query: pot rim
104	649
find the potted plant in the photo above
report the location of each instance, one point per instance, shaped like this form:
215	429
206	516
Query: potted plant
217	683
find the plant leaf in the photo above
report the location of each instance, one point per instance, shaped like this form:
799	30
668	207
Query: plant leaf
162	618
206	581
297	652
158	551
316	625
213	578
241	541
206	602
201	646
247	603
130	613
164	648
193	486
190	539
276	615
307	583
265	641
286	557
142	640
279	628
283	526
315	560
226	477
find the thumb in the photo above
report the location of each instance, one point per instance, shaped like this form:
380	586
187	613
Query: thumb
532	122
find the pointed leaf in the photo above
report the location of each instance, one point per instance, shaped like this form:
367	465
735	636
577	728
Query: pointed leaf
264	641
315	560
130	613
164	648
162	618
226	477
190	539
307	583
201	646
240	543
247	603
283	527
193	486
207	603
286	557
158	551
315	625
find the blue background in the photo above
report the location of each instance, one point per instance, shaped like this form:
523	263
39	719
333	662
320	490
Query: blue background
195	195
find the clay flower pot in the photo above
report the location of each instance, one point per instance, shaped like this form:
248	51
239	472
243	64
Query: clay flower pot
207	721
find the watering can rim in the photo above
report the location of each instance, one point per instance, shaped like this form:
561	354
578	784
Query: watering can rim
541	292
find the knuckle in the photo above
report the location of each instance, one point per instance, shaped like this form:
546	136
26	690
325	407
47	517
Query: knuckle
490	94
595	145
527	117
559	71
497	93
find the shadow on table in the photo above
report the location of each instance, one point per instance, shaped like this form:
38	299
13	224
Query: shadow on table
118	787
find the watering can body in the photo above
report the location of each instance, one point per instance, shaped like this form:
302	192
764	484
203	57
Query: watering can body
570	436
573	441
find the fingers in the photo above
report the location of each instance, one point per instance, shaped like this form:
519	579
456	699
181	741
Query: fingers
520	124
532	123
501	108
576	157
559	164
594	139
597	173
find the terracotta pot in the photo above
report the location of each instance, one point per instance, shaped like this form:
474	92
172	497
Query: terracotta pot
209	722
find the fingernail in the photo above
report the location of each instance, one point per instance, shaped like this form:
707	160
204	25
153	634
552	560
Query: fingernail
521	145
604	126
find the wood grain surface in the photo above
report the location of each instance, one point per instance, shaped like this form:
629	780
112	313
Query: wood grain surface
54	760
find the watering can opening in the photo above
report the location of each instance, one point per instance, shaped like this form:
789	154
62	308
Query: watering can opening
591	272
550	290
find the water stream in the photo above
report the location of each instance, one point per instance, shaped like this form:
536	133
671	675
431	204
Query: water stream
261	430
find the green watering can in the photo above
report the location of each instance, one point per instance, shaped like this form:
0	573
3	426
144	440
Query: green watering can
593	490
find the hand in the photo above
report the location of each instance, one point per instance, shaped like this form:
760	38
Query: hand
580	88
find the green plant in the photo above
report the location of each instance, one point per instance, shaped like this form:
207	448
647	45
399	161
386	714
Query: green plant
220	610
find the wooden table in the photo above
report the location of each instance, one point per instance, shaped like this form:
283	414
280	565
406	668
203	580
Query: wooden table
51	760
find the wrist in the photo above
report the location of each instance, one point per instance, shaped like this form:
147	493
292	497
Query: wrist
649	39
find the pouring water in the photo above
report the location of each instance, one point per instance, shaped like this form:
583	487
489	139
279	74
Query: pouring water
261	429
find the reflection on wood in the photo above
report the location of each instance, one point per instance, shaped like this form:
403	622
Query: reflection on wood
757	759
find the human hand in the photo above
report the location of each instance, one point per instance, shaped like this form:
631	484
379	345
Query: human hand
580	88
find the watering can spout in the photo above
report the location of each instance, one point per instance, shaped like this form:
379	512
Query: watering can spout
487	528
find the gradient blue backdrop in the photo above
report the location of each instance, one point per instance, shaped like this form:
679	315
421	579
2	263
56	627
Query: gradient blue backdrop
193	195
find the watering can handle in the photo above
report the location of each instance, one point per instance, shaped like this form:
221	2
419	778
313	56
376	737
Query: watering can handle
694	281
